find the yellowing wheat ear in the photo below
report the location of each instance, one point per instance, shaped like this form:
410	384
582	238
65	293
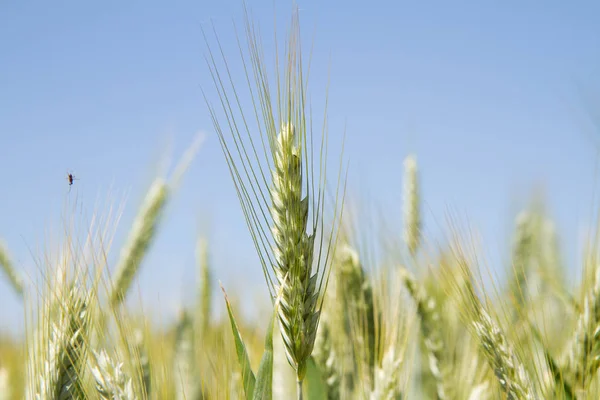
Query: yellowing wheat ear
281	196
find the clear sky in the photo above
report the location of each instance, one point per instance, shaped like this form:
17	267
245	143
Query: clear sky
493	98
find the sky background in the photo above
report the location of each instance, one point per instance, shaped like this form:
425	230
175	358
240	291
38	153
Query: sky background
495	99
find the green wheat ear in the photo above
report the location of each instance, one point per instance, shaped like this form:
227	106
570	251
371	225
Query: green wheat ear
281	196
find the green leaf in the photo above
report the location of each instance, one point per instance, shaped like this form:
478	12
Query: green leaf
314	386
247	375
264	381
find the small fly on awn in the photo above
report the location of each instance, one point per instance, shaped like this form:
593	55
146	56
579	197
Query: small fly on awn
71	178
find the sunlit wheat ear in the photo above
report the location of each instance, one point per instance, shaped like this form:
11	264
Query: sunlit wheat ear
139	240
112	383
326	359
141	361
282	198
56	365
293	250
354	327
431	328
523	253
145	226
501	356
386	379
9	270
186	375
584	356
412	215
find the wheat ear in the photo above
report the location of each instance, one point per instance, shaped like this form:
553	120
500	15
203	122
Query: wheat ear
294	253
9	270
584	357
412	215
186	376
508	368
430	328
139	240
204	293
57	367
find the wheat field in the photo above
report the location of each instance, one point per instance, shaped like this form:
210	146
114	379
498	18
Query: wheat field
355	312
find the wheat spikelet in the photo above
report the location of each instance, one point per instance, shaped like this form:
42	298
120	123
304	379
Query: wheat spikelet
9	270
386	377
284	376
111	381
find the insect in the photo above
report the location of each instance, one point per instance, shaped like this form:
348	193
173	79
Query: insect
71	178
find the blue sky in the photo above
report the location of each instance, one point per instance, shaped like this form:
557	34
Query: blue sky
494	99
